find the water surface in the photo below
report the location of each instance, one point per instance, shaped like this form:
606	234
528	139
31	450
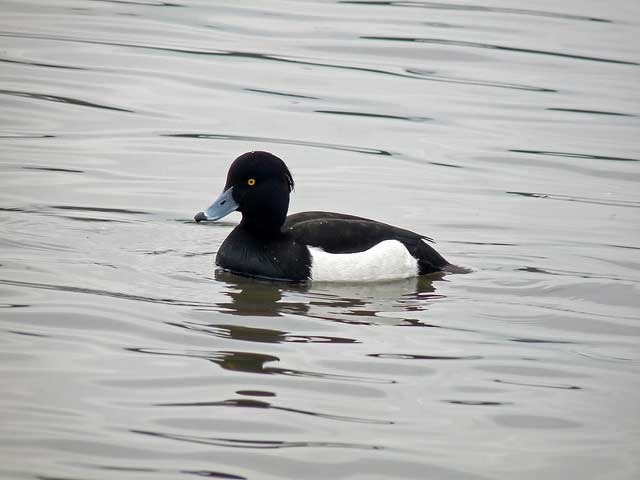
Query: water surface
506	131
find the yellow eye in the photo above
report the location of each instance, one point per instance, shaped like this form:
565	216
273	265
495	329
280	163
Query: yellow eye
251	182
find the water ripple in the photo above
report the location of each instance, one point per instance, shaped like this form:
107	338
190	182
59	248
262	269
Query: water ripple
374	115
259	444
575	155
415	74
540	385
407	356
40	64
59	99
576	273
475	403
53	169
460	43
98	209
245	403
104	293
590	112
72	208
261	335
26	135
246	138
428	75
474	8
213	474
147	3
569	198
252	362
283	94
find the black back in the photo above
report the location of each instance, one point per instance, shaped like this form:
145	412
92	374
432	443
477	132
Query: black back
339	233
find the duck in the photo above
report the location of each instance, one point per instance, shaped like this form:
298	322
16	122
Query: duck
313	246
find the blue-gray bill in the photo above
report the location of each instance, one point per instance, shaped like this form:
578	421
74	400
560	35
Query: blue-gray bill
223	206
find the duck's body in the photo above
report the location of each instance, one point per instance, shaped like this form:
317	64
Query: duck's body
320	246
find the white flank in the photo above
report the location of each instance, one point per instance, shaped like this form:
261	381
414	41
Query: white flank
388	260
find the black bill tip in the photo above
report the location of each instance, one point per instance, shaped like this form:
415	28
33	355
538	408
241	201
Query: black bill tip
199	217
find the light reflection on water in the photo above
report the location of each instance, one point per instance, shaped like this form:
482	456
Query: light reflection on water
506	132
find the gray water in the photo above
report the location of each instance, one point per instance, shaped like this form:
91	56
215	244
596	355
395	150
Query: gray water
506	130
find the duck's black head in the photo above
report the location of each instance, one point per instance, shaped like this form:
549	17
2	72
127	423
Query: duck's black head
258	185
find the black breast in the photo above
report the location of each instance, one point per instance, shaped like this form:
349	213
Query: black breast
280	258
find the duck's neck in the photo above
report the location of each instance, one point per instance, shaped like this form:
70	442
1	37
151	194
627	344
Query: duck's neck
262	226
265	218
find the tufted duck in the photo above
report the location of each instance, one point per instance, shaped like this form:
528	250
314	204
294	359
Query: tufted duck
318	246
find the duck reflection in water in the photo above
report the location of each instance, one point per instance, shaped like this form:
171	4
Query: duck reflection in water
262	298
364	303
359	304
